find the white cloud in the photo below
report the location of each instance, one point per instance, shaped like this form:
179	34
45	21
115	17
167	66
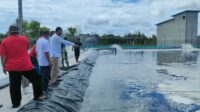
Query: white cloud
97	16
98	20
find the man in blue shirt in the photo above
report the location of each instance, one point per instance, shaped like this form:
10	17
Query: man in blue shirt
55	52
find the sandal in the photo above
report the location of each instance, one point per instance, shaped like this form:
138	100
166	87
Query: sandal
42	97
51	82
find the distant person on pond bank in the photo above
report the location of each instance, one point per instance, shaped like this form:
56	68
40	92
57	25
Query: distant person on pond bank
15	59
55	52
42	49
77	50
64	56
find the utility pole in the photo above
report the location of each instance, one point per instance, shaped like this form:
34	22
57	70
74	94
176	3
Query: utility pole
20	17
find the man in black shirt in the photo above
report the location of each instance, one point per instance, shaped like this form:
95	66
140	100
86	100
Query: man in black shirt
77	49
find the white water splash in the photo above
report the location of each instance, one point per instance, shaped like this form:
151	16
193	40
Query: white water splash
188	49
187	46
118	47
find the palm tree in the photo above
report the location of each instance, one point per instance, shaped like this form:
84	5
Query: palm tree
72	31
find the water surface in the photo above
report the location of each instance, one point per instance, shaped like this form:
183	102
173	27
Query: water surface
145	81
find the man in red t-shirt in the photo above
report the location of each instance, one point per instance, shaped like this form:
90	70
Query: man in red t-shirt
16	60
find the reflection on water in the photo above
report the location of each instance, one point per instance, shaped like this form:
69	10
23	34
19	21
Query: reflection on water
138	81
164	57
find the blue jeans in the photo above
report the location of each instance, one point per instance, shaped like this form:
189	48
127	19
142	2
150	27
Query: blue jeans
35	64
45	73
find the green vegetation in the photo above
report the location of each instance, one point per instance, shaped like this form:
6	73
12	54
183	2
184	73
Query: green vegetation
2	35
32	30
72	31
70	34
128	39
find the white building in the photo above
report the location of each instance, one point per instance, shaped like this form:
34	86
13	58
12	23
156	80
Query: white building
181	29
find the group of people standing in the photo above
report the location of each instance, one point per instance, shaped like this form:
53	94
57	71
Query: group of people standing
40	66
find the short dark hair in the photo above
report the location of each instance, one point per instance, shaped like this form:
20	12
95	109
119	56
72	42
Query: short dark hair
41	33
14	33
58	29
45	32
52	32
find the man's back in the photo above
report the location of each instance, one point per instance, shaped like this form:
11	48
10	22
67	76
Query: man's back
42	46
15	48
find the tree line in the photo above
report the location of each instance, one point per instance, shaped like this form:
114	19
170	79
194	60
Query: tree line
128	39
32	30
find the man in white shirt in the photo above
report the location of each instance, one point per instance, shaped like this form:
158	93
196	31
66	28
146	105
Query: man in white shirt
42	49
55	49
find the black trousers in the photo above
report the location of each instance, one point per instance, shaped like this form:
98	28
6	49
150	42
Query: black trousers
15	85
45	73
77	54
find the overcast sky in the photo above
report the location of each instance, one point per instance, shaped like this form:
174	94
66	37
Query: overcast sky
97	16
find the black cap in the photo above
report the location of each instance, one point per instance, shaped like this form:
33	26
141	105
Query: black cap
13	29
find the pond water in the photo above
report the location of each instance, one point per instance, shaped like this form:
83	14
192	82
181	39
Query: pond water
145	81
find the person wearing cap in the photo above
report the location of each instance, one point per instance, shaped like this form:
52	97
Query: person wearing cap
55	52
16	61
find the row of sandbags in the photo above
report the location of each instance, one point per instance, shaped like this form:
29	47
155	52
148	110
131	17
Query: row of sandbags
68	94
